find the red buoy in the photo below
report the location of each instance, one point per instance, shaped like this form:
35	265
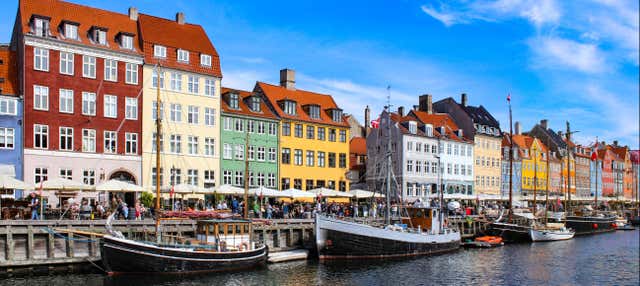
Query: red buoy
595	226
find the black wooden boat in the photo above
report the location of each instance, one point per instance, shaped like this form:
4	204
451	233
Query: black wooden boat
510	232
590	224
220	245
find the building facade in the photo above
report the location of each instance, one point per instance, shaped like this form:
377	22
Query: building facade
82	78
314	145
184	66
556	143
607	159
595	174
534	164
583	167
248	121
10	118
358	162
516	167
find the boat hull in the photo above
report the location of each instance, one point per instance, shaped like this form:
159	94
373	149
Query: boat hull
510	233
127	256
550	235
337	239
590	225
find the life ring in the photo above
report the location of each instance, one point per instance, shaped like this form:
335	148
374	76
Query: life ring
244	246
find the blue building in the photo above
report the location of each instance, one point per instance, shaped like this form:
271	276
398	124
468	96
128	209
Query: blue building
11	162
516	175
594	179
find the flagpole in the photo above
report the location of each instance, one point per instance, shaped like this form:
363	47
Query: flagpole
596	152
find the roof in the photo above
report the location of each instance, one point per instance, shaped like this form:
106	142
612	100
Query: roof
87	17
358	145
174	36
276	93
526	142
620	151
8	72
481	116
635	156
265	111
438	120
557	139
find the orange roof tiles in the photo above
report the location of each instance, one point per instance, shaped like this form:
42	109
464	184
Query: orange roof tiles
87	17
8	72
620	151
174	36
276	93
265	111
438	120
358	145
526	142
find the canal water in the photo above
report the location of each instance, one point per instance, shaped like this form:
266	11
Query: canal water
604	259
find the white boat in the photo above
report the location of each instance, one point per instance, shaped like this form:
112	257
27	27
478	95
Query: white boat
620	222
551	234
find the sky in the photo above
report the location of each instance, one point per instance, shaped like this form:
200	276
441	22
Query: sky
575	61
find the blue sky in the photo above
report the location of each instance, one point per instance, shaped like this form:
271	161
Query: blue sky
560	60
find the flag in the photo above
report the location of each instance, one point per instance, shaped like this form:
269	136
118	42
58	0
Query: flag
594	154
509	97
375	123
171	192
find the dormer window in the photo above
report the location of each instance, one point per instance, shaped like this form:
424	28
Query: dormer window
159	51
233	101
526	152
205	60
71	31
183	56
289	107
428	129
314	111
413	127
41	26
126	41
255	103
100	35
336	115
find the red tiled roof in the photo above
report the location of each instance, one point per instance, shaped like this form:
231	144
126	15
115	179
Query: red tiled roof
174	36
438	120
358	145
87	17
620	151
265	111
8	72
635	156
276	93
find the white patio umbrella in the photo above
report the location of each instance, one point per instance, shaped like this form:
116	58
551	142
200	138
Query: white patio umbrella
295	194
182	189
229	190
8	182
65	185
264	191
118	186
329	193
361	194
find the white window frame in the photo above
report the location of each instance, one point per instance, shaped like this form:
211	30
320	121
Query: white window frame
110	138
89	140
176	112
88	66
193	84
209	116
126	42
205	60
227	151
41	59
209	146
182	56
110	106
66	63
7	137
131	108
193	115
41	27
131	74
65	97
176	81
8	106
70	31
89	177
40	97
88	103
209	87
175	143
272	155
192	142
159	51
42	134
110	70
131	143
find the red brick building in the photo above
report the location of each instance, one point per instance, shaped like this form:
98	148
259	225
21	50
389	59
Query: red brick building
608	158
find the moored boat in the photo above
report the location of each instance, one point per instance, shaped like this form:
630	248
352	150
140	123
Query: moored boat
551	234
590	224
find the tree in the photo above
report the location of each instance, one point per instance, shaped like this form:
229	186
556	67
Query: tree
147	199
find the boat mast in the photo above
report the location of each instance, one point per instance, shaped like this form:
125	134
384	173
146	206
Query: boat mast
568	136
388	184
510	160
246	177
546	197
158	134
535	176
595	201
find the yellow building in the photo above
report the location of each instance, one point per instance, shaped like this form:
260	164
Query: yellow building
182	60
314	136
534	164
486	153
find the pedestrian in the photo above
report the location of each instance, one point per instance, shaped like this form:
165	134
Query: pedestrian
138	210
269	211
285	210
35	206
234	205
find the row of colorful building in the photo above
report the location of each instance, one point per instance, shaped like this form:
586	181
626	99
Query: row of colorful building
78	100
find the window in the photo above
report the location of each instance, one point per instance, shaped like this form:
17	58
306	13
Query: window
321	133
271	180
260	179
8	106
131	143
88	140
176	112
40	59
175	176
233	101
131	73
297	184
154	79
89	66
310	132
272	154
66	63
314	111
337	115
156	179
239	124
227	123
297	157
66	174
261	127
286	156
205	60
110	142
343	136
131	108
261	153
176	143
100	37
192	177
409	166
251	126
66	139
255	103
41	136
209	146
227	177
209	116
110	70
193	84
209	87
88	103
342	186
239	178
310	158
449	168
193	114
321	159
66	101
332	135
154	112
273	129
41	27
290	107
209	179
7	138
286	129
227	152
342	160
192	142
153	142
159	51
298	130
183	56
89	177
176	81
239	152
332	160
110	106
126	42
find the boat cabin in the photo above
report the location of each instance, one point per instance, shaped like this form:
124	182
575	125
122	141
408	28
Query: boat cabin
425	218
226	234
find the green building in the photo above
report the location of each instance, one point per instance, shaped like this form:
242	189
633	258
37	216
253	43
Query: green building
249	133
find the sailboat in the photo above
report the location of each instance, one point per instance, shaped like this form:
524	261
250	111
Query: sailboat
421	232
219	244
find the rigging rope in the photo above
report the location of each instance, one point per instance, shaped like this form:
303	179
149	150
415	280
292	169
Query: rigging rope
57	234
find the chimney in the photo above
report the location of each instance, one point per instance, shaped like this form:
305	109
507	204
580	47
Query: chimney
416	107
133	13
426	103
560	133
517	128
463	99
544	124
401	111
288	78
615	143
367	117
180	18
460	133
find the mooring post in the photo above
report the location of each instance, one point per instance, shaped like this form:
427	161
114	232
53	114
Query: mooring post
30	248
10	244
51	245
69	245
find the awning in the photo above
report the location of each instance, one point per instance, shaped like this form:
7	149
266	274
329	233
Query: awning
7	182
329	193
361	194
118	186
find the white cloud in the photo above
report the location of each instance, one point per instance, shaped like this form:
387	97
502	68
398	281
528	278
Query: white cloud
448	19
553	52
241	79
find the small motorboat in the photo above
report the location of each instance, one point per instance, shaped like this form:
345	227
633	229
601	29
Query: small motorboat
626	227
488	241
551	234
620	222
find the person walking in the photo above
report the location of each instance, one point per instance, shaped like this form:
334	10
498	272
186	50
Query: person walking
35	206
